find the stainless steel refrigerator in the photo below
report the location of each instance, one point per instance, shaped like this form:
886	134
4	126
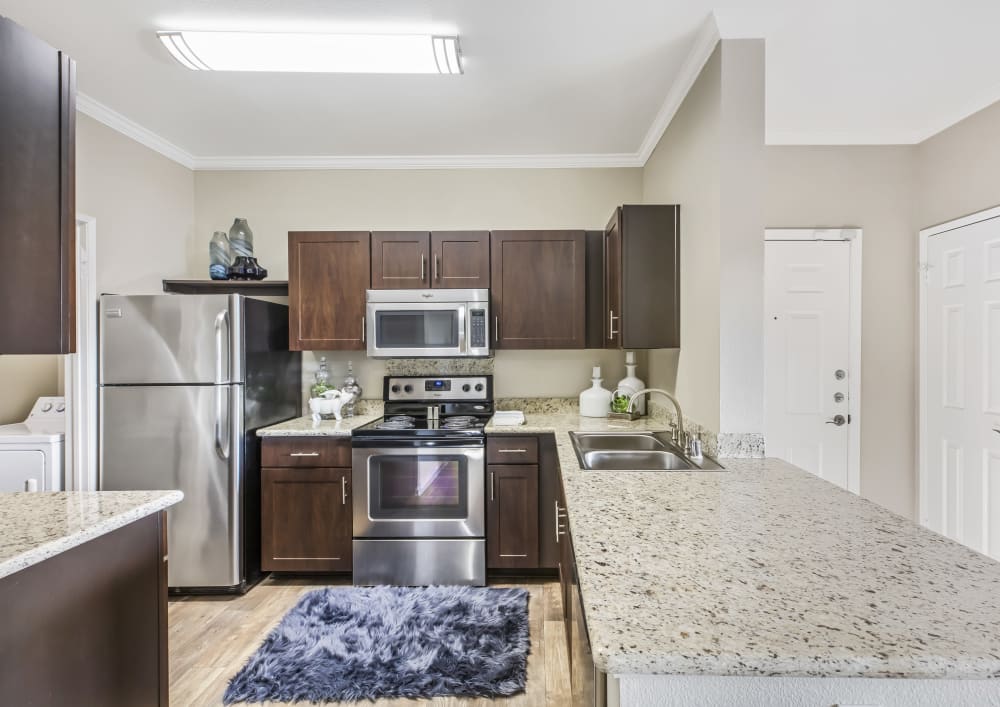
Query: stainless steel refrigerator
185	382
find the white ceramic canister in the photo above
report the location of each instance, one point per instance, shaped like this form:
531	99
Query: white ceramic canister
631	383
595	401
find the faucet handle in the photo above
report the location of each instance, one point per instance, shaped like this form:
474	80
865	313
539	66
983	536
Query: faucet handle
673	433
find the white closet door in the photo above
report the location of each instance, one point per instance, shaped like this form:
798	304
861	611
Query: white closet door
960	488
807	355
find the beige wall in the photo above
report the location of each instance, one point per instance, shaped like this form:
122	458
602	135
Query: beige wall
684	169
24	379
871	188
741	243
959	169
277	202
144	206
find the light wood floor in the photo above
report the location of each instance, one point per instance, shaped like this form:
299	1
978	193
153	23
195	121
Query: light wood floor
212	637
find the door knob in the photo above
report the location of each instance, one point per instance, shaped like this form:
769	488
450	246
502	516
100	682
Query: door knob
838	420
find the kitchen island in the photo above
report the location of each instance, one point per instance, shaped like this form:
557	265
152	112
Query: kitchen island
83	587
699	587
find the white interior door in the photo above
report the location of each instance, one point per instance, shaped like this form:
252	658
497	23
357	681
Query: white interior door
807	354
960	484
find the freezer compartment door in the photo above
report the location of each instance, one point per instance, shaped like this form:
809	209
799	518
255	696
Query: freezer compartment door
187	438
170	339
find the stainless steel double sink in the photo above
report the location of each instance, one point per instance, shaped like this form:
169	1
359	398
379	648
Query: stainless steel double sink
635	451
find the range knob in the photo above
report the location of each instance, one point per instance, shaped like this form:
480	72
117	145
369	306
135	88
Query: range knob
46	407
407	388
479	387
61	407
466	388
395	388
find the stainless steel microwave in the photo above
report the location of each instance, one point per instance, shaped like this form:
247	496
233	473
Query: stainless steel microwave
427	323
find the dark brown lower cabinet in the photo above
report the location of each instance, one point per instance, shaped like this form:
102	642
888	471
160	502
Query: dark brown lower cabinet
306	520
306	511
89	625
512	516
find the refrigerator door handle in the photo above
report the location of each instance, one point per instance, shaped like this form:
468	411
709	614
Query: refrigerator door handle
222	403
223	368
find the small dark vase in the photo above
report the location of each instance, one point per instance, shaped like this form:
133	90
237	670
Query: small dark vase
246	268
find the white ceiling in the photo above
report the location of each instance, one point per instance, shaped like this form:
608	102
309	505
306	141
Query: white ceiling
576	81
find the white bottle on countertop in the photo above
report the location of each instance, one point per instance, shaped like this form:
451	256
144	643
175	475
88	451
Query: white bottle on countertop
631	384
595	401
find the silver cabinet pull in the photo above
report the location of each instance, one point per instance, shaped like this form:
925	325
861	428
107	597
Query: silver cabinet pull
512	451
304	454
496	329
343	490
491	485
437	267
611	324
557	522
423	267
362	329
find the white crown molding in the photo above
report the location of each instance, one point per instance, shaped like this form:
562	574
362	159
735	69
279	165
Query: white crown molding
115	120
701	50
306	162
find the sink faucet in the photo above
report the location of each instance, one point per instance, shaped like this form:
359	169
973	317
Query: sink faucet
668	396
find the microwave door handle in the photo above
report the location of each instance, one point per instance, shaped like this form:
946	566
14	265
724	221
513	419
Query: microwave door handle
463	333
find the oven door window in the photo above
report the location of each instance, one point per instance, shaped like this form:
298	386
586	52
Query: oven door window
416	329
418	488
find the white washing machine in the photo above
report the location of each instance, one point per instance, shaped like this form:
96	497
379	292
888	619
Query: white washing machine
31	452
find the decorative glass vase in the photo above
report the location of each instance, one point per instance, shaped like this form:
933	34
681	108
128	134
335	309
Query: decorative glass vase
241	238
220	256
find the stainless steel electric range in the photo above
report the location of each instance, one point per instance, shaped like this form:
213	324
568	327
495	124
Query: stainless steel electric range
419	481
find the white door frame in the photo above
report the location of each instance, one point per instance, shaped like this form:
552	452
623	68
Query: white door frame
80	369
853	236
922	269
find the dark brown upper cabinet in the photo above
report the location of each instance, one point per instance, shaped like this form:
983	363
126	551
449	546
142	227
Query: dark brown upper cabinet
538	289
328	273
37	202
401	260
642	282
413	260
460	259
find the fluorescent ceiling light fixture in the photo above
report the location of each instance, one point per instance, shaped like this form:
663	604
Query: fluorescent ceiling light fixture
317	53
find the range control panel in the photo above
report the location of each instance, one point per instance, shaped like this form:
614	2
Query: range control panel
438	388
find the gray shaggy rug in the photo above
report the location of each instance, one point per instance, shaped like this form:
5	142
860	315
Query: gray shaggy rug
355	643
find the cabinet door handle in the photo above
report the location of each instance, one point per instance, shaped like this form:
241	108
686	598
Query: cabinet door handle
496	329
437	267
423	267
557	522
512	451
343	490
611	324
362	330
304	454
491	485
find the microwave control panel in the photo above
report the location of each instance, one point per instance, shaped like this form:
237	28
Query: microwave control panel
477	328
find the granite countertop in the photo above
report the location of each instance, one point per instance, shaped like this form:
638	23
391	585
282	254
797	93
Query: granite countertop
766	570
305	427
37	526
